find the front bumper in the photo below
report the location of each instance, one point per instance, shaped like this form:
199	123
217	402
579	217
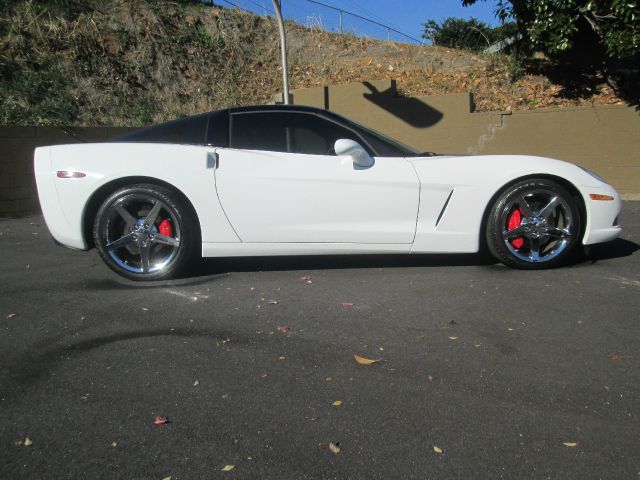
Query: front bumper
602	215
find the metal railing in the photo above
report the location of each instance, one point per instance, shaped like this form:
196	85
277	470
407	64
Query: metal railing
341	12
388	28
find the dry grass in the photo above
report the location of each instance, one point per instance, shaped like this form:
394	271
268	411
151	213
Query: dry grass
117	62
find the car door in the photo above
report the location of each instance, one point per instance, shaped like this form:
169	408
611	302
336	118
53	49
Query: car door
281	181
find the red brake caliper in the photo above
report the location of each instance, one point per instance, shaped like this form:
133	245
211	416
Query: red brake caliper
514	221
165	228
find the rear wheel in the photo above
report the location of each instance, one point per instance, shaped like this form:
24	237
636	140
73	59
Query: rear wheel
533	224
145	232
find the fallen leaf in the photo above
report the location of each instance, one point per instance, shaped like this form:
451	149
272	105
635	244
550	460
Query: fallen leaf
228	468
11	315
334	447
438	450
337	403
196	383
570	444
160	420
282	329
346	304
27	442
365	361
615	357
453	338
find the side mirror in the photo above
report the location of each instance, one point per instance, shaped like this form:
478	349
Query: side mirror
353	149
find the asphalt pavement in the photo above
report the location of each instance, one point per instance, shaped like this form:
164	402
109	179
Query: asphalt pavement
481	371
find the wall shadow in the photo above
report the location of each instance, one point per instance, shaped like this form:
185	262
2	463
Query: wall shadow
408	109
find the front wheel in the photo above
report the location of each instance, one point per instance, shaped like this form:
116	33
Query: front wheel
533	224
145	232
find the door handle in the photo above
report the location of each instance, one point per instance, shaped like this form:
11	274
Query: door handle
212	160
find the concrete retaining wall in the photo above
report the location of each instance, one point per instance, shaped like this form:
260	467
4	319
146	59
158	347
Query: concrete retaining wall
605	139
18	194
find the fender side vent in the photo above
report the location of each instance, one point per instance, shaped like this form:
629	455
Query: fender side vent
444	207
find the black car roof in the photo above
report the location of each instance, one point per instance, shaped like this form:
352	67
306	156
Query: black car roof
278	107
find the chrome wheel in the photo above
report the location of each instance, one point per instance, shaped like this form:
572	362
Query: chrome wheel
139	234
538	225
535	224
142	232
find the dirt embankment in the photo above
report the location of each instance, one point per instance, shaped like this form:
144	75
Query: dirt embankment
118	62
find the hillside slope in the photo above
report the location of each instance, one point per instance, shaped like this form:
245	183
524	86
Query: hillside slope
130	63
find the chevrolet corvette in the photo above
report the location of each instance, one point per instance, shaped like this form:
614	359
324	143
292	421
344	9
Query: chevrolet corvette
294	180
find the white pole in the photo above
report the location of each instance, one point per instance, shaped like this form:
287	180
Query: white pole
283	48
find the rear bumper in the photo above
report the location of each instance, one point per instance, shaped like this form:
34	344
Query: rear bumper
54	216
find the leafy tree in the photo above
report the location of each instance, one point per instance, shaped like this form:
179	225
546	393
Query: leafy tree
471	34
458	33
558	26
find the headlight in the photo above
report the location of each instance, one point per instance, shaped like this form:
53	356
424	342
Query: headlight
594	175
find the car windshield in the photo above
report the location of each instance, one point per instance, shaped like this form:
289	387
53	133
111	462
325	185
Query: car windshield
385	146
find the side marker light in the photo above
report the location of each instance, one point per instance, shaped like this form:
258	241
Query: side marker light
597	196
67	174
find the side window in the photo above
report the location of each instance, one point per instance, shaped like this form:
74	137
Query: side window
186	131
218	130
294	132
258	131
315	135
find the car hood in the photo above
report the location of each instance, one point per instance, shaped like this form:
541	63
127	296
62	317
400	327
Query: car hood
496	169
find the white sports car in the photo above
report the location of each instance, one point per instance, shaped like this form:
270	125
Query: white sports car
289	180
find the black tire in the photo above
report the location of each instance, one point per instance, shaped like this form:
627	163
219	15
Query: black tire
146	232
534	224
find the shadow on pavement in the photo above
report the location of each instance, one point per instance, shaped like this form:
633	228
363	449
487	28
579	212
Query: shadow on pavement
218	266
213	269
617	248
47	355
